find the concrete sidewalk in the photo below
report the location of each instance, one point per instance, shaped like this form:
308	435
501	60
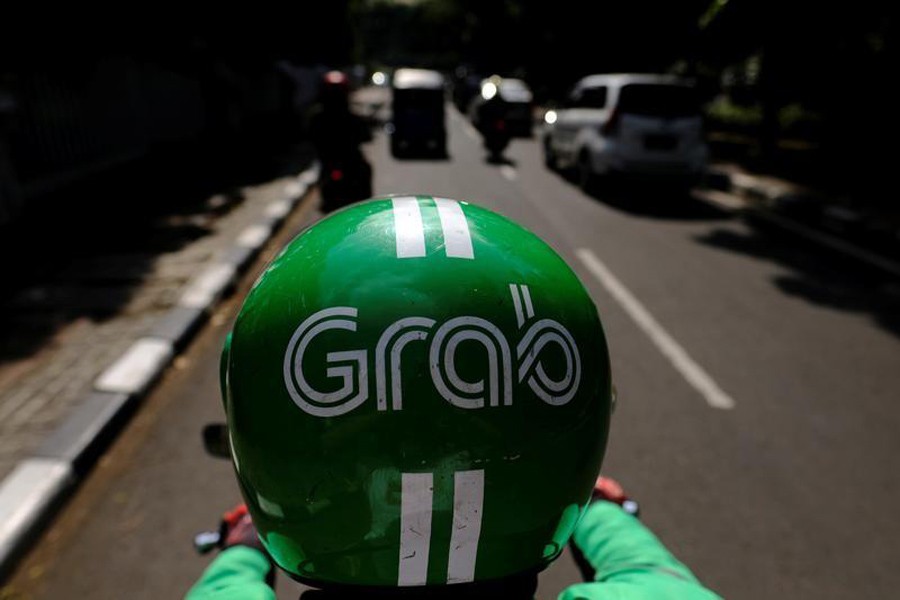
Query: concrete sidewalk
61	404
868	235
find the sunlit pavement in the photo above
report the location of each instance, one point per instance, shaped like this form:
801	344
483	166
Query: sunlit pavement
757	412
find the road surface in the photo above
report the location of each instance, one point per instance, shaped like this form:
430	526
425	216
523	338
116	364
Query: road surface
758	382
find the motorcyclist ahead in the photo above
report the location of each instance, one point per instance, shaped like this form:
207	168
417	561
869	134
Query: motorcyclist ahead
490	116
337	133
418	397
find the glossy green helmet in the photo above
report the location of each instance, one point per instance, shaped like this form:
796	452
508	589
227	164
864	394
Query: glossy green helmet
418	393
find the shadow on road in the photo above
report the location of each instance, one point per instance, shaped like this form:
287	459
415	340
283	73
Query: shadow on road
82	251
654	201
421	157
500	161
819	276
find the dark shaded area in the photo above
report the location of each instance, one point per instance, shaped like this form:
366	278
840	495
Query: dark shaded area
124	135
801	90
818	276
82	251
811	91
80	94
500	160
551	44
648	198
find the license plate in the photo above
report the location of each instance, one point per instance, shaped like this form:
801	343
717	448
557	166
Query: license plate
660	142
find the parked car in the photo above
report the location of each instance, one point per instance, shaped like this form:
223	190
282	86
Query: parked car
516	98
418	119
647	126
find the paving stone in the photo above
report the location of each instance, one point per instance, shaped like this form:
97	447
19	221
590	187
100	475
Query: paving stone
66	365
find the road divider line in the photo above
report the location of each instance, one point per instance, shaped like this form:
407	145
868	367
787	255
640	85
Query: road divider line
695	375
509	172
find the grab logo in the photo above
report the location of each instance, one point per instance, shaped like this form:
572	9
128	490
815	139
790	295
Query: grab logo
505	362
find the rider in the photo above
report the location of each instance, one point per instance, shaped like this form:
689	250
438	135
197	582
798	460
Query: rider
464	464
491	113
337	134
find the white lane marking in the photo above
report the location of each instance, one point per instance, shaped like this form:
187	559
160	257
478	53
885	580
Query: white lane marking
526	295
671	349
202	291
517	304
468	504
136	368
408	228
25	494
508	172
254	236
415	528
457	240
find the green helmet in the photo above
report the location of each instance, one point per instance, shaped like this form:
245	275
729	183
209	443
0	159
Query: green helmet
418	393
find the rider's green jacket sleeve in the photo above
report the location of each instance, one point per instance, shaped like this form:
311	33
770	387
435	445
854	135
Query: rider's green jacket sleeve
629	561
238	573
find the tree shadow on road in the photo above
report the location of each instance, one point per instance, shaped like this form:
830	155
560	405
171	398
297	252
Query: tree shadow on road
651	200
819	276
500	160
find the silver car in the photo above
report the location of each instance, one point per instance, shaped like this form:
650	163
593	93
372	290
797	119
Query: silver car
640	125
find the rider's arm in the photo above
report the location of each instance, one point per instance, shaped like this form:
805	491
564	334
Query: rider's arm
629	562
238	573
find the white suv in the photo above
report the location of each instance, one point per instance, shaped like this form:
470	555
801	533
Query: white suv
643	125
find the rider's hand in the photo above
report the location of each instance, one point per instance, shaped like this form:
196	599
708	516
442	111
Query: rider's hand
237	529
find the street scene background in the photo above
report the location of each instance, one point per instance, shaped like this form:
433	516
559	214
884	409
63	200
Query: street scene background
136	158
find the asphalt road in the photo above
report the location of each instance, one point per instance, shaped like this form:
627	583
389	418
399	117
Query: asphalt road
757	422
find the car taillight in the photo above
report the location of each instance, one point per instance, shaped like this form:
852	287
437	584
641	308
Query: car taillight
500	125
611	127
337	174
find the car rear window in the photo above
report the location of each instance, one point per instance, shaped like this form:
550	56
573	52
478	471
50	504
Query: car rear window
659	100
413	98
594	97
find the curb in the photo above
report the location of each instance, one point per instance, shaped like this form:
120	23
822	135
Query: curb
756	200
39	485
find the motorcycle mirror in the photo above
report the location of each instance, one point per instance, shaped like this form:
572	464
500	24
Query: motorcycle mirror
215	440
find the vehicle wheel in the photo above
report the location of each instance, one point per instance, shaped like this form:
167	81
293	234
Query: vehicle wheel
550	158
587	179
